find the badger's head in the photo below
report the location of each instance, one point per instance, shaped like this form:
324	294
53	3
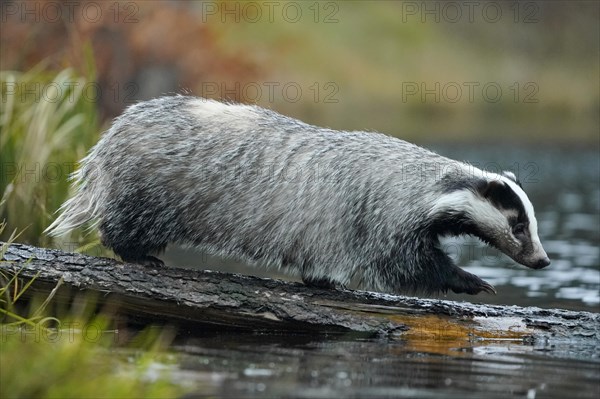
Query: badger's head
494	208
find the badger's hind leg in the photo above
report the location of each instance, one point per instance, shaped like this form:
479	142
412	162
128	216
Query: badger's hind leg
132	250
132	254
133	231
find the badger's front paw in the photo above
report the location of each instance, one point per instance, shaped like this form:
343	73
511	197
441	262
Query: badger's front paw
464	282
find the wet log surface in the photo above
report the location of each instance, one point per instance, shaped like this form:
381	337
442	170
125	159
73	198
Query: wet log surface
205	299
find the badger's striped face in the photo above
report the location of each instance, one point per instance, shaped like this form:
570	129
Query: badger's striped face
496	209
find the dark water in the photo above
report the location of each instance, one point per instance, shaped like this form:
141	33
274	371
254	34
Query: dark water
259	366
564	185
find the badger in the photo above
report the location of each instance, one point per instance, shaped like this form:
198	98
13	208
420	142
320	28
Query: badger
332	206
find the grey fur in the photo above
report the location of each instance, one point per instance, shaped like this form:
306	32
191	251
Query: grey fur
246	182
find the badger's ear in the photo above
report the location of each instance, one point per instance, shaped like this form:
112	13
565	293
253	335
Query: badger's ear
510	175
500	194
491	189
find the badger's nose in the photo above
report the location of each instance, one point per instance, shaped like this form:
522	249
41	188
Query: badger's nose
542	263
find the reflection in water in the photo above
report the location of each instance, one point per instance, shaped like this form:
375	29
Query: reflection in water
299	366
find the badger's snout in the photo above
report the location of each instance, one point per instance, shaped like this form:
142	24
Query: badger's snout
539	263
537	259
529	253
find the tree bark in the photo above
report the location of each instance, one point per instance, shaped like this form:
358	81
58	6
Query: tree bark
205	299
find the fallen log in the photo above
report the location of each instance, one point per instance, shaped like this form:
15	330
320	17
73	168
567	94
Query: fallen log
206	299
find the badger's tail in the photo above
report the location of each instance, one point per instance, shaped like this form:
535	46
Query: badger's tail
80	209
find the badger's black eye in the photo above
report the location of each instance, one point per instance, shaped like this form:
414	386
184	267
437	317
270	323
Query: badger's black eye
519	229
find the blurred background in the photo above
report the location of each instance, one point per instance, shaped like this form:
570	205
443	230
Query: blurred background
511	85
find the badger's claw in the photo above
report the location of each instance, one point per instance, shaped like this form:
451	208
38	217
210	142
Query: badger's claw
464	282
487	287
